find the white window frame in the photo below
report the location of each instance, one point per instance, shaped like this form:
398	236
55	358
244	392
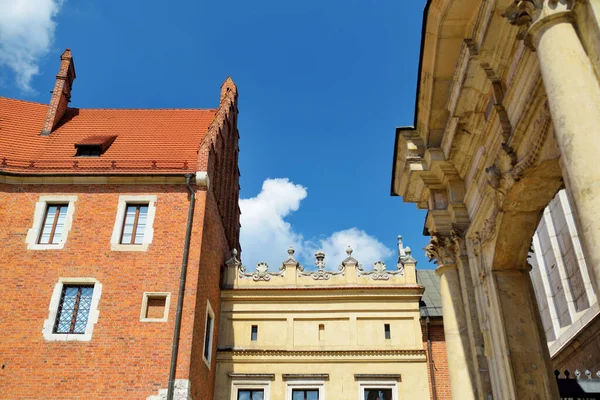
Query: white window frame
39	216
145	297
48	329
209	311
115	240
236	385
384	384
305	384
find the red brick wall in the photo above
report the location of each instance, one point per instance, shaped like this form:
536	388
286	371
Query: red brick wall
126	358
440	361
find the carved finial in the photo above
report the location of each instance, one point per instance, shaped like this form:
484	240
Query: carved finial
577	374
320	256
588	373
349	251
598	374
291	252
234	252
407	250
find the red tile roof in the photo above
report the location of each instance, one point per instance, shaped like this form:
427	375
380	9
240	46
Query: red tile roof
148	141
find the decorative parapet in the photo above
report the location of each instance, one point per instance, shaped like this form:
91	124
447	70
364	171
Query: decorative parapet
348	272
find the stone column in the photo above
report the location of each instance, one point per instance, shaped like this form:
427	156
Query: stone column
574	100
527	353
455	330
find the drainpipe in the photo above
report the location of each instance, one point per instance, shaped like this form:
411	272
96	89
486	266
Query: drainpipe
184	264
430	355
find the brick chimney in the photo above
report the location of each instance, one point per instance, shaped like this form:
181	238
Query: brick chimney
61	93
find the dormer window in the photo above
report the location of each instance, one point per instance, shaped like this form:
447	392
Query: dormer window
93	146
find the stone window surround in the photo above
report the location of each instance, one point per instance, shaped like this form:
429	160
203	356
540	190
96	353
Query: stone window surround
48	329
115	240
304	384
209	311
251	384
374	384
145	296
39	214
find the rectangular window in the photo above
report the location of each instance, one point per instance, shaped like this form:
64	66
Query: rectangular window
54	223
208	337
388	333
155	307
378	394
134	225
304	394
321	331
251	394
74	309
254	334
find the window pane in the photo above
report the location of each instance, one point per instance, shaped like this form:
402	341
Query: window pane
378	394
258	395
60	224
74	309
254	334
83	309
244	395
207	337
48	224
312	395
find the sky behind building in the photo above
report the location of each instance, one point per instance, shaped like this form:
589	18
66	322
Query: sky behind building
322	86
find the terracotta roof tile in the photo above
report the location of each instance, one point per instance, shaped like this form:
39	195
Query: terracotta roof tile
167	137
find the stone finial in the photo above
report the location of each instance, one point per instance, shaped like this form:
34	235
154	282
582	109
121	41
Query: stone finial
320	256
234	261
349	251
291	252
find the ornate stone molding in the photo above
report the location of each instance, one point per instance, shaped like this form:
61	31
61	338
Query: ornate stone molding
261	273
321	273
320	353
531	15
379	272
442	249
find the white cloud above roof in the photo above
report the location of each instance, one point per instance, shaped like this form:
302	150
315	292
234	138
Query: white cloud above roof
266	235
26	34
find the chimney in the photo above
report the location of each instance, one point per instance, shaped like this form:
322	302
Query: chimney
61	93
227	87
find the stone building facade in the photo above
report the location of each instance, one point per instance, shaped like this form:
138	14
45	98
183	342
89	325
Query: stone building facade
342	333
116	225
507	112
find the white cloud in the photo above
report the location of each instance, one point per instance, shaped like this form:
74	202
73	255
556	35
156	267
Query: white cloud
26	34
265	235
367	249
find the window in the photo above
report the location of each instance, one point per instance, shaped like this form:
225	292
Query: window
52	220
208	334
384	388
321	331
155	307
89	151
378	394
388	333
133	229
305	394
54	224
136	216
254	333
251	394
73	309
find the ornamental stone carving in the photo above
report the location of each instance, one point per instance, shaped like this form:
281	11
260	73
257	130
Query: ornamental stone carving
261	273
321	273
379	272
442	249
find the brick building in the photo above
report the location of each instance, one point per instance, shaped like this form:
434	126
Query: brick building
106	214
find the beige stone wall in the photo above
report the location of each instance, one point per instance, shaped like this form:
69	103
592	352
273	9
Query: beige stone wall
327	331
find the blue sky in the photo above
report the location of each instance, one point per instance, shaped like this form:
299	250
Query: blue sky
322	87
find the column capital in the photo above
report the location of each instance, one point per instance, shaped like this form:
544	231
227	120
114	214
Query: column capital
442	249
536	16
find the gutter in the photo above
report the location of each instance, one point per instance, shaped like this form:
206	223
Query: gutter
184	264
414	126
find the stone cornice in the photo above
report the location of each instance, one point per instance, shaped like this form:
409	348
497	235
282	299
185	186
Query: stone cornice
407	292
71	179
296	356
